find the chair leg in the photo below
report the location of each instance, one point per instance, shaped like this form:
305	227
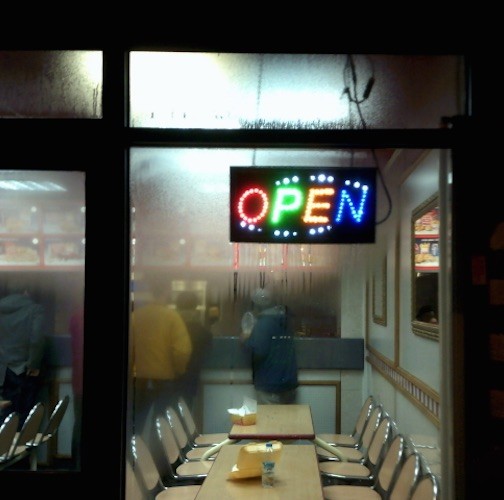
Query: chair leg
33	460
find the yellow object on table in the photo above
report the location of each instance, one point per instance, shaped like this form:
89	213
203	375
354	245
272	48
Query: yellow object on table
249	419
250	459
246	415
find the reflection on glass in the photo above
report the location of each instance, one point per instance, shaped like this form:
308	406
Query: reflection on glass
180	207
42	243
51	84
290	91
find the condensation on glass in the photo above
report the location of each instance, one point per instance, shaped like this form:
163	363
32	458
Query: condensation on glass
180	90
42	242
51	84
180	226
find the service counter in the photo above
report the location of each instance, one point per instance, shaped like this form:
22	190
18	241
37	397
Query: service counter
312	354
330	373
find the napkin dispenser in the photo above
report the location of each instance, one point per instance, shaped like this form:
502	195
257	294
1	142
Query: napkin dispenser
246	415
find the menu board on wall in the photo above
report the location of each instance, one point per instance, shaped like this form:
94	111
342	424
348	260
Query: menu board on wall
42	236
427	241
19	251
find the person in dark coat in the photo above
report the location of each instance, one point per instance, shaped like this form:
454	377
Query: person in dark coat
22	349
271	342
76	328
201	339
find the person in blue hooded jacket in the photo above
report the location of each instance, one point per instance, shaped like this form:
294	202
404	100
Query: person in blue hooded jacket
271	342
22	349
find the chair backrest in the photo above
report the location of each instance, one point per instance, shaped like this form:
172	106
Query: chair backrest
426	488
178	428
371	426
168	440
143	462
187	418
174	469
56	417
134	486
8	431
406	476
363	416
393	457
31	427
379	442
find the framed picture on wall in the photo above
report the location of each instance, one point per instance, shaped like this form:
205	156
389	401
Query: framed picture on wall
425	268
426	248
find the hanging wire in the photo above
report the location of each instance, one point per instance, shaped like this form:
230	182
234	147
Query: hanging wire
351	91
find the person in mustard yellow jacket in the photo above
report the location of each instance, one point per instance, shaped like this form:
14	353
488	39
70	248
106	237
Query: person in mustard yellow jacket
161	351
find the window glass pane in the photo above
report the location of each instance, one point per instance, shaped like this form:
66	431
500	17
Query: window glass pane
42	252
293	91
51	84
180	202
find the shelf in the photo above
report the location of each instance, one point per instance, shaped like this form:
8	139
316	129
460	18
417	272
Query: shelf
45	236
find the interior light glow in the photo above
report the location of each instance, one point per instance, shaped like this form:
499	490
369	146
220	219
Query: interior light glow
92	61
15	185
233	91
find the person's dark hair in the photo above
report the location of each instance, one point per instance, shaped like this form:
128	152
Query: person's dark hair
187	300
159	285
425	311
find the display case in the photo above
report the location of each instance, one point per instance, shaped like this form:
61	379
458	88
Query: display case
42	236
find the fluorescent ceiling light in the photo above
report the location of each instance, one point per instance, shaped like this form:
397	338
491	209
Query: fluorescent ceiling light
15	185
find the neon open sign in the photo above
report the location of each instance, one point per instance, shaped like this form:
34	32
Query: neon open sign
303	204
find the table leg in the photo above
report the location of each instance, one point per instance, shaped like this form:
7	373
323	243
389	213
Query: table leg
330	449
214	449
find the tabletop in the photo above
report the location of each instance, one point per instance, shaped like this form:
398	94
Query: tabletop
297	476
278	422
